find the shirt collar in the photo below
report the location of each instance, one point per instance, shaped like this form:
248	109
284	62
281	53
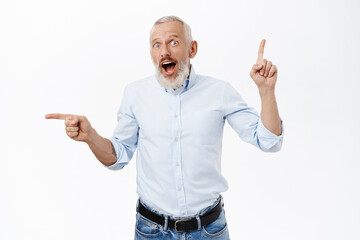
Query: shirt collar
189	83
192	78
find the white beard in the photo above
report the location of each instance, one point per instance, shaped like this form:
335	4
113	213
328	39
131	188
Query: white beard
178	81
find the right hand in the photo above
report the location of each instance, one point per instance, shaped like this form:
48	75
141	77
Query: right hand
77	127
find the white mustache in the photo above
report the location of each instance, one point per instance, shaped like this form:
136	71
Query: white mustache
179	79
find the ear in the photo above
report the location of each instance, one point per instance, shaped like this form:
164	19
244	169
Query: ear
193	49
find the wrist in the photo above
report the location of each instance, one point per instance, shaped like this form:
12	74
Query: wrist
266	92
91	137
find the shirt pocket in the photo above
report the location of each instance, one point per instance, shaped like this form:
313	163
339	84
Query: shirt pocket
207	127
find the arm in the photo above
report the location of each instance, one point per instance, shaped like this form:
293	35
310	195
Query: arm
269	112
247	123
264	74
113	153
102	148
79	129
264	131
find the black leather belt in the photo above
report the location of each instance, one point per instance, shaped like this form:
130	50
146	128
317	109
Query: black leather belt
182	225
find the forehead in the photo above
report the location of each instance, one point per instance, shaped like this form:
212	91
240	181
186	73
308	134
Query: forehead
163	30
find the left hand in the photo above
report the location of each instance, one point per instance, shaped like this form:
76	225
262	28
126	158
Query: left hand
264	73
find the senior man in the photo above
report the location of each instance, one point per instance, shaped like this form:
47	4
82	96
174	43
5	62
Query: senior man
175	119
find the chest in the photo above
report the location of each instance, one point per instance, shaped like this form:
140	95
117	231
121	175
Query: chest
195	117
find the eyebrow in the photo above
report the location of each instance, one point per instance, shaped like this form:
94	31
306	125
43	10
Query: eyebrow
154	40
174	35
170	36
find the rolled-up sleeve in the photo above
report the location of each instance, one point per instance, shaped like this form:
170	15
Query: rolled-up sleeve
125	136
247	123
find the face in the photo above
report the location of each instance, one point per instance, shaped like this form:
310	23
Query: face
169	48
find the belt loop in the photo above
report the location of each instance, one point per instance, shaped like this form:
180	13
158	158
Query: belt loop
198	221
166	222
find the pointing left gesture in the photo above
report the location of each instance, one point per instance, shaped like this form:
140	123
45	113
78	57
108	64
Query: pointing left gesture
76	127
264	73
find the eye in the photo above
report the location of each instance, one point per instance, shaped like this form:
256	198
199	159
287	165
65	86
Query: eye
174	43
156	45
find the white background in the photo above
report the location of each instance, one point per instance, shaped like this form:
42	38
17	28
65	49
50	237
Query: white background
76	56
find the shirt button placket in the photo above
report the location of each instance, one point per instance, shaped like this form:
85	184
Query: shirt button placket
177	155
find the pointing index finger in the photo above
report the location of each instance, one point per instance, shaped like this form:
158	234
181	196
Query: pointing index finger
261	51
57	116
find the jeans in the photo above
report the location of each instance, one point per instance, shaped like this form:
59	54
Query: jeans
217	230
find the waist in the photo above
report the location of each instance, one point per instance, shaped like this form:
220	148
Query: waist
188	211
186	224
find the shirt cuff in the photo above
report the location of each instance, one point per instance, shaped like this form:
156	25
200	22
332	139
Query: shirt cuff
266	137
118	164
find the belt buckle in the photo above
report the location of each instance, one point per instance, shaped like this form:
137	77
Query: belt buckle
177	221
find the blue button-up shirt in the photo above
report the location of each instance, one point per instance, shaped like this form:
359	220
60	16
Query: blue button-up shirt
178	136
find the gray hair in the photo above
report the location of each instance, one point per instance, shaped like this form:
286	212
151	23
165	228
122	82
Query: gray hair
187	29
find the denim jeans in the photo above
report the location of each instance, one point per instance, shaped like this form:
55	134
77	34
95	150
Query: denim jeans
217	230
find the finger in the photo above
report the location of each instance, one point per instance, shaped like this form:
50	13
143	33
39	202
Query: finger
261	51
57	116
262	71
272	71
72	129
268	66
72	134
71	121
255	68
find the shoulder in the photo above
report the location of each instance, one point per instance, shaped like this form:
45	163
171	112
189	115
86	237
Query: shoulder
224	88
208	81
143	83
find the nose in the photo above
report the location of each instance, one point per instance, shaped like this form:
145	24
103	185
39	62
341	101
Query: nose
164	52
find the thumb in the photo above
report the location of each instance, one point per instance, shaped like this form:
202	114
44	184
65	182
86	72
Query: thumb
255	68
258	66
71	120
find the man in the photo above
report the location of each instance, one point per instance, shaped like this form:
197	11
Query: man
175	119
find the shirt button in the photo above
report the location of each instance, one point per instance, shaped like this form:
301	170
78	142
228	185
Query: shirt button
176	139
177	163
183	214
176	94
179	188
175	115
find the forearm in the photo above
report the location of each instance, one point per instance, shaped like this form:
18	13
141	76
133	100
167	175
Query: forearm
269	111
102	148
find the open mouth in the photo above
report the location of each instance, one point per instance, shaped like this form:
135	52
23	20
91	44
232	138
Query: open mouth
169	67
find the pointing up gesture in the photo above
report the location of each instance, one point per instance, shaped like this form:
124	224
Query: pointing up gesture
77	127
264	73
